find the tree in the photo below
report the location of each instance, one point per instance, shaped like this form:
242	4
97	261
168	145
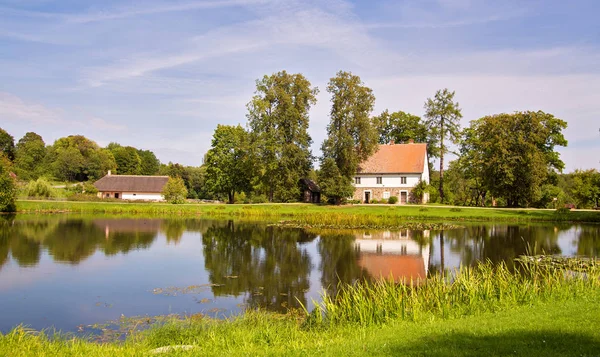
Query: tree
229	161
29	156
77	158
175	191
443	121
127	158
278	119
149	164
400	127
7	145
513	154
8	187
351	135
334	185
586	188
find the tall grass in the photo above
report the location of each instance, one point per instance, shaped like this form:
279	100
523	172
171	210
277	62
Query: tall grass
483	288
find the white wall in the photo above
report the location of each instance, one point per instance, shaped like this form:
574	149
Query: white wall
426	171
142	196
388	180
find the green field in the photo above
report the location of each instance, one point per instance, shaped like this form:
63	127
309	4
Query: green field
347	216
538	312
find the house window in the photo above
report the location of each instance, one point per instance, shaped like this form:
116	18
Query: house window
379	180
386	194
403	180
357	180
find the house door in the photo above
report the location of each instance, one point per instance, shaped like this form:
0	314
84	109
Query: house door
403	197
367	197
116	195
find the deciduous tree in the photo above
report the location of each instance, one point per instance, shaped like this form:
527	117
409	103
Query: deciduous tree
29	156
7	145
175	191
400	127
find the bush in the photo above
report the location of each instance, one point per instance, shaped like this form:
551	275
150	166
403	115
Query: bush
39	188
259	199
174	191
374	201
8	190
455	209
393	200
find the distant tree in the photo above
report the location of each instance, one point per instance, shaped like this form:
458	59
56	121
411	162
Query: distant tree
586	188
229	161
334	185
400	127
175	191
351	135
278	117
8	187
149	164
7	145
30	153
513	154
127	158
443	121
76	158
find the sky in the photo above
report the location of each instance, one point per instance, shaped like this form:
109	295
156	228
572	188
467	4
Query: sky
160	75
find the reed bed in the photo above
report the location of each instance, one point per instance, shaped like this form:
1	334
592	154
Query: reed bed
470	290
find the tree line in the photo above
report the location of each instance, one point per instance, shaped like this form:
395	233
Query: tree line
502	159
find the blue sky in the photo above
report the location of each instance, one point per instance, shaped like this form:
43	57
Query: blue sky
161	75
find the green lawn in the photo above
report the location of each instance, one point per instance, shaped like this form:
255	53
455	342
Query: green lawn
317	215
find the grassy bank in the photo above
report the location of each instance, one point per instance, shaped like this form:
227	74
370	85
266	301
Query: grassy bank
544	309
350	216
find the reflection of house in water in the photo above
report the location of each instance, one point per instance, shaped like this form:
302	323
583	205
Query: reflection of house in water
128	225
393	255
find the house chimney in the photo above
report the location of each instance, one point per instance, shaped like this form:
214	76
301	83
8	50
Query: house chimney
411	141
392	142
109	173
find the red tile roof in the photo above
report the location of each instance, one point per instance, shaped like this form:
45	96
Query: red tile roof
396	158
131	183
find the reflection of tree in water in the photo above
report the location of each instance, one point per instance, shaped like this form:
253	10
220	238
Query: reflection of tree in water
589	241
267	264
497	243
174	229
339	261
69	240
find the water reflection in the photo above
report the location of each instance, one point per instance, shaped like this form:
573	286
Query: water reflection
75	262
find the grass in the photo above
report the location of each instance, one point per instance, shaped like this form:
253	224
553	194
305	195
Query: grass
544	309
320	216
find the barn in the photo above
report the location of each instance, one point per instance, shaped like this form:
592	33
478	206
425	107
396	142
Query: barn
132	187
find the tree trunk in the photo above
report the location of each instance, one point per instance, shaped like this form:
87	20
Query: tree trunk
442	160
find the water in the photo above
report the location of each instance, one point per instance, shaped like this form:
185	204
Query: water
68	271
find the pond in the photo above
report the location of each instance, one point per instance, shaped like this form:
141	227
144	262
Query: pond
66	271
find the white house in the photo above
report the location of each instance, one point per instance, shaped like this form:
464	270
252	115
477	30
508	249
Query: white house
394	170
131	187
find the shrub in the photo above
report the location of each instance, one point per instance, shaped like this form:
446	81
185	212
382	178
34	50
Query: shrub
393	200
39	188
8	190
455	209
374	201
174	191
259	199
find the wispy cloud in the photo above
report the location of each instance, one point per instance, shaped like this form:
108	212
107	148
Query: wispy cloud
445	24
14	108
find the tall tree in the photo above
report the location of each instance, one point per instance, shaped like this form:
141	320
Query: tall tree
127	158
149	164
351	135
278	119
8	187
29	156
7	145
77	158
513	154
400	127
229	162
443	121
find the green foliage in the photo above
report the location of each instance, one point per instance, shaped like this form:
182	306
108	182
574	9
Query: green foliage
400	127
351	134
229	162
8	187
7	145
39	188
127	158
511	155
586	188
149	163
278	117
76	158
333	184
393	200
174	191
443	121
30	153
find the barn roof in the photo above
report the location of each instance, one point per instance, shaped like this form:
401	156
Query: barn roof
310	184
396	158
132	183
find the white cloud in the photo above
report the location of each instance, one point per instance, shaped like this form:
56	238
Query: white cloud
102	124
14	108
